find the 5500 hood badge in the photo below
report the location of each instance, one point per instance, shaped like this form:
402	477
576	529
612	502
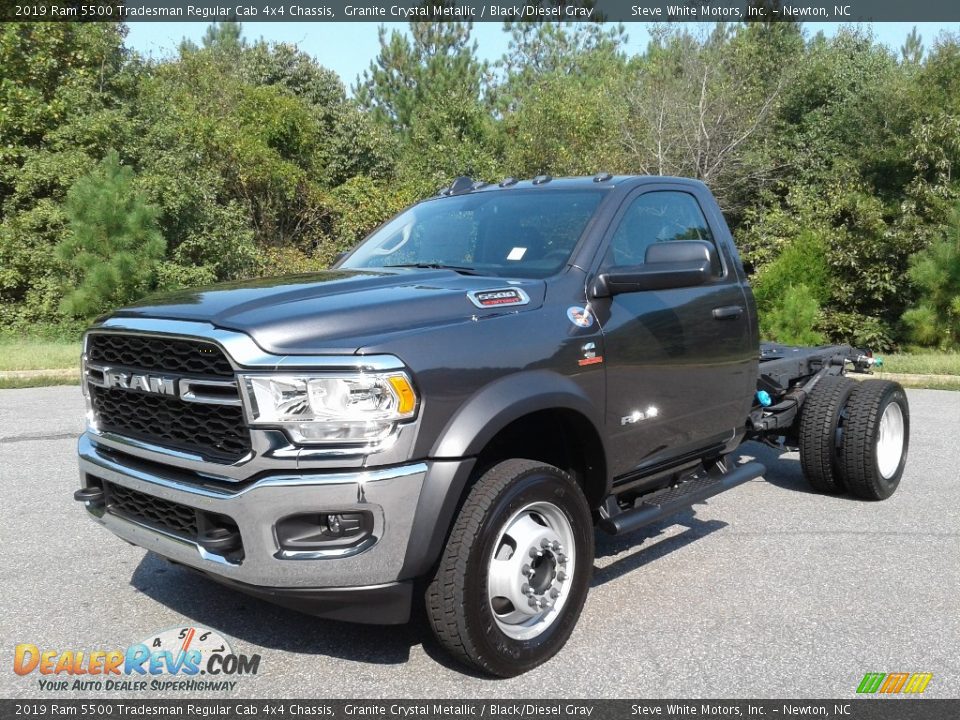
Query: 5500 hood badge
498	298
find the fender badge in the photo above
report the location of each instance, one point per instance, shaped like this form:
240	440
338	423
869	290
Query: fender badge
579	316
638	415
590	356
498	297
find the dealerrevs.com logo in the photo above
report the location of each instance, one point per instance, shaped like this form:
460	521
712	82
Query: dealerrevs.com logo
188	659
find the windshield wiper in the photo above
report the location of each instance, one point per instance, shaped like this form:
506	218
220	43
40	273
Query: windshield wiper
438	266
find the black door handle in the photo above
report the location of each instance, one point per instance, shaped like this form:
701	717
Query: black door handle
730	312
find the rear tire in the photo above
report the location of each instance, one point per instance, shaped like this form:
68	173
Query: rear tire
515	572
820	418
876	439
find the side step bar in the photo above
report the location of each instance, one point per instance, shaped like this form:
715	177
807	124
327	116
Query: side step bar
666	502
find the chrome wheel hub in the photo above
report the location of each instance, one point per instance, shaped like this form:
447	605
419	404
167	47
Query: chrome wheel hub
530	570
890	440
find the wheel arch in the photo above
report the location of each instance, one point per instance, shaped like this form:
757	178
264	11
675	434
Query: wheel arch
494	425
506	400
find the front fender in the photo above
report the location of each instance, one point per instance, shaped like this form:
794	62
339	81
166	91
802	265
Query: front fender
509	398
472	427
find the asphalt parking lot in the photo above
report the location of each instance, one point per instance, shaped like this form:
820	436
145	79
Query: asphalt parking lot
765	591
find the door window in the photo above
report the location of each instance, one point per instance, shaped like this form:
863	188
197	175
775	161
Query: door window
660	216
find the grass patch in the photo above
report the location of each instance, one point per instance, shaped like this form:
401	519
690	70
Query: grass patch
922	363
30	354
932	384
18	383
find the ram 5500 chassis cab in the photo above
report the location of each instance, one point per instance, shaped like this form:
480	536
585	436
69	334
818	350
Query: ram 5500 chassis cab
450	411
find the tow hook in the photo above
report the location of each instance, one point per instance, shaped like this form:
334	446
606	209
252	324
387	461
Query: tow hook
219	540
92	495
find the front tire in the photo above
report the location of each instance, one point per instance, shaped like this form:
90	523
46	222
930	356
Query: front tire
516	569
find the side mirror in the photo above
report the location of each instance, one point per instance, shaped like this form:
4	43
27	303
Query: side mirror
673	264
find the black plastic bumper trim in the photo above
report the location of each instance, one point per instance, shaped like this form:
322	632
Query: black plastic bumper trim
387	604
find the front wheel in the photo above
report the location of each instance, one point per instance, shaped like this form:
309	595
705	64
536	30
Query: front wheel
515	572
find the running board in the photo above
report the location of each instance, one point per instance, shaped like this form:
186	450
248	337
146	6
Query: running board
666	502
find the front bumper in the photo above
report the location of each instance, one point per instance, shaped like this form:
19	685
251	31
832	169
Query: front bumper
372	570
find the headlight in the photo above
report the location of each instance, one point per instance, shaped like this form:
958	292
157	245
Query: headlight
356	408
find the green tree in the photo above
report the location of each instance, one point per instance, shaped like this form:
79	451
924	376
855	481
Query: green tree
411	73
791	290
258	162
560	98
702	106
792	320
114	246
456	137
912	49
224	35
864	163
353	143
561	124
64	93
543	48
935	272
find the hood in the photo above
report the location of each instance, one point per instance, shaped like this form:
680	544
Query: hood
337	311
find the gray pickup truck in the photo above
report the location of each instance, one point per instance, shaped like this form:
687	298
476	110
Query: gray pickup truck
449	412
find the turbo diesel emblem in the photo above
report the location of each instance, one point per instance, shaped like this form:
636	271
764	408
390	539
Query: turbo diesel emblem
145	383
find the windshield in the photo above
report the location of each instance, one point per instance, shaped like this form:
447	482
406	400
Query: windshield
517	233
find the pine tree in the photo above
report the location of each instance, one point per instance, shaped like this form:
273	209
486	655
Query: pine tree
912	49
411	74
792	320
935	320
224	35
114	246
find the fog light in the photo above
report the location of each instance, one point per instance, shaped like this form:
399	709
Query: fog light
320	531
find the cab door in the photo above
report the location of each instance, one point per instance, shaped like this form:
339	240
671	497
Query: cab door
680	362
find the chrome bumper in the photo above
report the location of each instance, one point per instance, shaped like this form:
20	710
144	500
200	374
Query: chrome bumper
390	494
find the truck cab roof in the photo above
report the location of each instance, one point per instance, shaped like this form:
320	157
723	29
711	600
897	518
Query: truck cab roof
464	184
